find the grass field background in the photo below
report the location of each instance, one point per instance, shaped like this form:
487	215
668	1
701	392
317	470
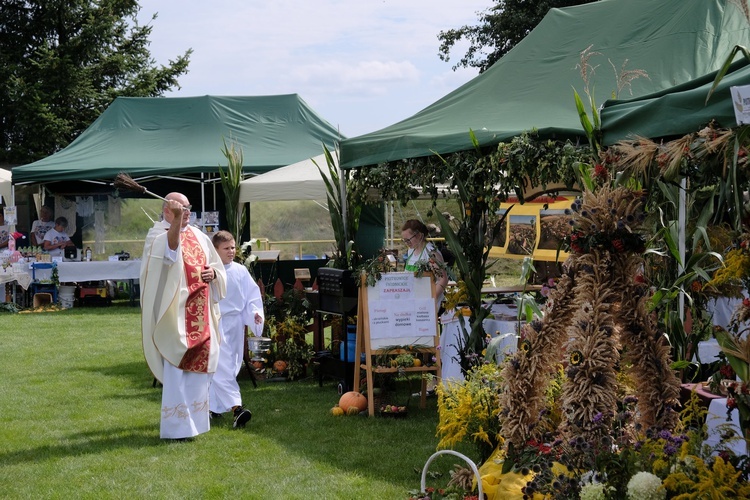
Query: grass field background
80	419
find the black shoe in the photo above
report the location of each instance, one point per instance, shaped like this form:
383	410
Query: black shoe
213	415
241	417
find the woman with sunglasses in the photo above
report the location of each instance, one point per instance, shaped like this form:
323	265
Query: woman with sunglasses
414	234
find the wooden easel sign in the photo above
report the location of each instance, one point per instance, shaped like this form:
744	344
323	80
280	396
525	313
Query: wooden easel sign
399	310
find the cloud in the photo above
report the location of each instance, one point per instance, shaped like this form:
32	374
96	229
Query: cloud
365	62
370	77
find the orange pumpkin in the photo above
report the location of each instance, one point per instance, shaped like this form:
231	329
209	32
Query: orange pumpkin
353	399
280	366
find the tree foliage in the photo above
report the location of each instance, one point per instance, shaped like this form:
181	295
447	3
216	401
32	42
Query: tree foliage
63	62
480	179
500	28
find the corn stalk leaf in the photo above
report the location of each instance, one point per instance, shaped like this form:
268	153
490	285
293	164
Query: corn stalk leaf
725	68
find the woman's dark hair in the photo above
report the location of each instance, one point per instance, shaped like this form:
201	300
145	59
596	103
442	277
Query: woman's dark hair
416	226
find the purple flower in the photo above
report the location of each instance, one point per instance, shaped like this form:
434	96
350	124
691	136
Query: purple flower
665	434
598	417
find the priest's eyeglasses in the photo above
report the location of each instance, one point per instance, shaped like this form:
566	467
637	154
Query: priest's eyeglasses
407	240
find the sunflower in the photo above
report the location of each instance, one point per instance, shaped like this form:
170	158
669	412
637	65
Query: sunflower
576	358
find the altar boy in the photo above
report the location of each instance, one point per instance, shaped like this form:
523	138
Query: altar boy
242	305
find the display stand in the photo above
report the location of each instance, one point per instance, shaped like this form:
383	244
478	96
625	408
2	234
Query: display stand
399	310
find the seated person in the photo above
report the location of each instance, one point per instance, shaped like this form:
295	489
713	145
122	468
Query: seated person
41	226
55	240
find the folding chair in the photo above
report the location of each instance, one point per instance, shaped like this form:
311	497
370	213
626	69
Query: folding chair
37	286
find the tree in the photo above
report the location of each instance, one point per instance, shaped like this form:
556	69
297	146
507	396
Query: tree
501	28
63	62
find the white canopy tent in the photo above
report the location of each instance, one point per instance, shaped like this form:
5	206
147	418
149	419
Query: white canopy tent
6	188
298	181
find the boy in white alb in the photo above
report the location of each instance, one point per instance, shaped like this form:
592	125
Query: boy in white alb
242	306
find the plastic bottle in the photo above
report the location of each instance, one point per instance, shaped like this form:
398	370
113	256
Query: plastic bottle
88	254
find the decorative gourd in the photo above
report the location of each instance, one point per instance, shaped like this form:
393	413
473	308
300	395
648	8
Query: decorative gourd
337	411
353	399
280	366
352	411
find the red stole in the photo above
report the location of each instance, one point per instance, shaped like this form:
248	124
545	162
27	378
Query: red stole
197	307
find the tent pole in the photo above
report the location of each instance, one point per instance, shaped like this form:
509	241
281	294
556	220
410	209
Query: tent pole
681	240
342	189
392	228
203	195
213	186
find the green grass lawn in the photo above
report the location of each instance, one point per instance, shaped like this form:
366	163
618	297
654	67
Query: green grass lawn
79	418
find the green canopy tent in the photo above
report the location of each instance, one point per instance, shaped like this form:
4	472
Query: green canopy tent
155	136
675	111
531	87
162	140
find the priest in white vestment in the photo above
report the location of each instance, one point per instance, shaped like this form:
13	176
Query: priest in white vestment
242	306
182	280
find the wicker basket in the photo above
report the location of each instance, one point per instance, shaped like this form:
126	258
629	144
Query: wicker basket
473	466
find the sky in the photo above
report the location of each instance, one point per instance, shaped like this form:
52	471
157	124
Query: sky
362	65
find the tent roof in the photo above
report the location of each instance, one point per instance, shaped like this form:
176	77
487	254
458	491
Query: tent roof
299	181
677	111
179	135
674	41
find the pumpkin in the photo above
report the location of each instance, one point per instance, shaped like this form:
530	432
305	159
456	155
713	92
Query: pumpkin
417	362
337	411
258	365
353	399
280	366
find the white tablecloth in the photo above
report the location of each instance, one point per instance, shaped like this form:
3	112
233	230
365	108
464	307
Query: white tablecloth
708	351
23	278
98	270
717	424
452	332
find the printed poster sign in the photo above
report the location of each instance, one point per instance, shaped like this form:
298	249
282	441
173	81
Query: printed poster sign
741	103
400	309
10	215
